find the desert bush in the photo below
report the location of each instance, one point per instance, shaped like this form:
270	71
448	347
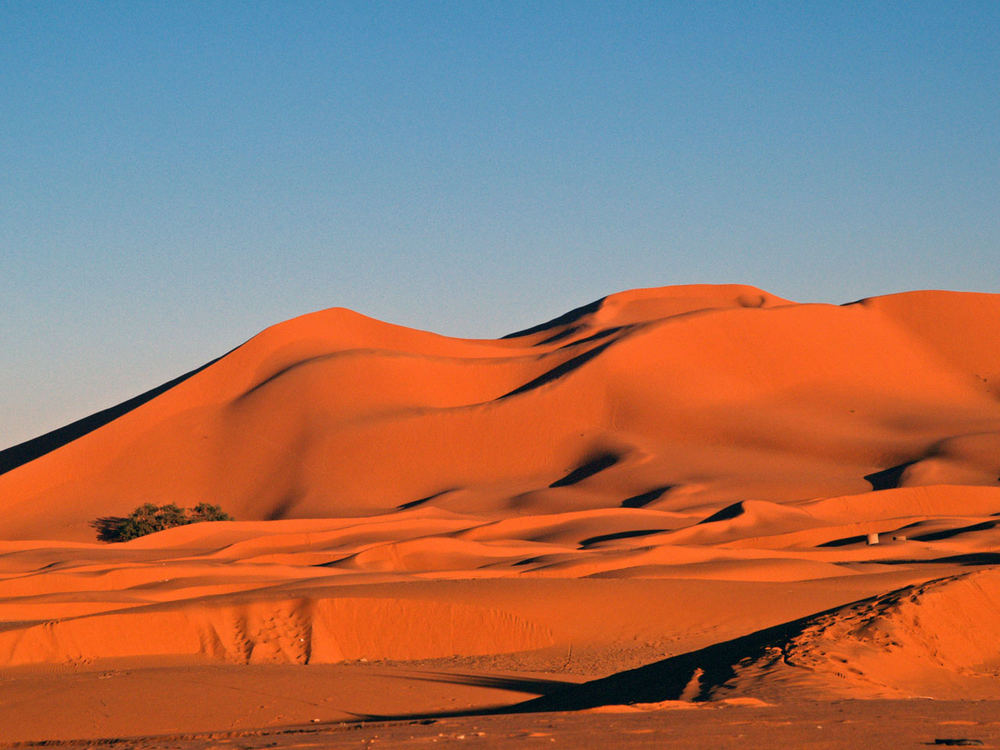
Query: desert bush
149	518
206	512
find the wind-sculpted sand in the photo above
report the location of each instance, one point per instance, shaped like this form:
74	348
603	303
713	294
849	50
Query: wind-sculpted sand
666	496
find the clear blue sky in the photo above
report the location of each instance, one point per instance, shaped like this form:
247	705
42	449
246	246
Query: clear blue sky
176	176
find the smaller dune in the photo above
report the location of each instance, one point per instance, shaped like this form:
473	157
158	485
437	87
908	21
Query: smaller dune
935	640
749	518
282	631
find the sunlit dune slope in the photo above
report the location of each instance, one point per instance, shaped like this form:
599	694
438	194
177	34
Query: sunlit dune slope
680	400
935	640
776	499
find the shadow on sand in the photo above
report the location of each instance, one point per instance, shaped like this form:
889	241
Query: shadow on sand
559	371
37	447
692	676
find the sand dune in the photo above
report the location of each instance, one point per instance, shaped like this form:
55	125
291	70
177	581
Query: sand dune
898	645
403	495
335	414
298	631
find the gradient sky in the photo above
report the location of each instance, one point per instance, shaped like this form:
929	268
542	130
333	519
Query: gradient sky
174	177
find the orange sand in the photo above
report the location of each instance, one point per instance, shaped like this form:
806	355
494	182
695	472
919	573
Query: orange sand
667	492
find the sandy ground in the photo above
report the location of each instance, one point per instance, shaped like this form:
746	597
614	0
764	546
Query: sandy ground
837	724
745	516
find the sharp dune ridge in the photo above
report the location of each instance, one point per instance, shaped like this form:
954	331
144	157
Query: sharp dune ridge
714	460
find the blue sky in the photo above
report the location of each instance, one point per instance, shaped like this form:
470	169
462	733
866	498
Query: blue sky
175	177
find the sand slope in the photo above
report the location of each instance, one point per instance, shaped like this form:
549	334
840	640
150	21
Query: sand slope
403	495
936	640
684	398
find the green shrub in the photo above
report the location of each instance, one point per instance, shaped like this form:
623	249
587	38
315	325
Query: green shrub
206	512
149	518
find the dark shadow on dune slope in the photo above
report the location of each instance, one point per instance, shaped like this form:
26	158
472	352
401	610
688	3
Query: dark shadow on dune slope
969	559
569	332
845	541
29	450
645	498
888	479
936	536
594	336
559	336
730	511
588	468
531	685
557	372
422	500
563	320
589	542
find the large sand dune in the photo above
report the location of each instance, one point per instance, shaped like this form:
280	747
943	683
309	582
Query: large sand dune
684	478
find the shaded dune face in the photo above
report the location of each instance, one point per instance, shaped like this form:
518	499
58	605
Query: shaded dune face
714	437
710	394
